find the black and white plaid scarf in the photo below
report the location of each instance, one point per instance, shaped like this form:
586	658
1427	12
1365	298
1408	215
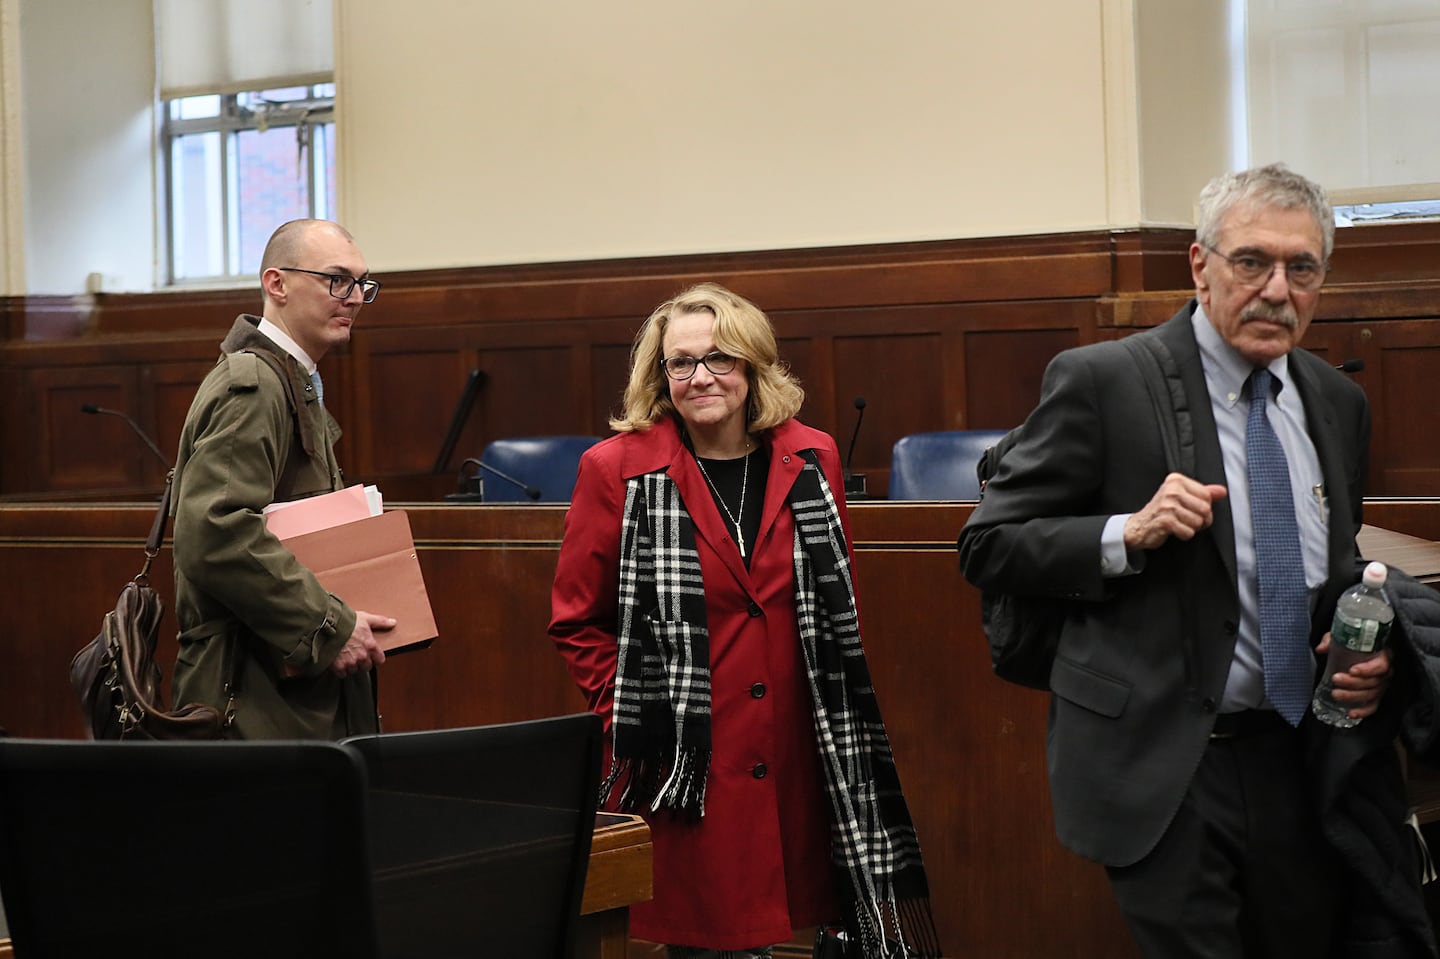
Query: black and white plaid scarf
662	701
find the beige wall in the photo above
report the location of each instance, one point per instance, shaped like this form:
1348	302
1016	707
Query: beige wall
481	131
490	132
1183	101
12	177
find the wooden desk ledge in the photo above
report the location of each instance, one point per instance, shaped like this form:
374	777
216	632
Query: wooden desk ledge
619	872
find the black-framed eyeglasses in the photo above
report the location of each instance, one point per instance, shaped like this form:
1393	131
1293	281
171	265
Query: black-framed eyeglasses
342	283
683	367
1303	273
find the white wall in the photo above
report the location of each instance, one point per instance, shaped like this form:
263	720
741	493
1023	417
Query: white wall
491	132
88	78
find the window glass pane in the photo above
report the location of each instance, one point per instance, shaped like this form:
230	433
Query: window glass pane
231	185
196	204
324	163
194	108
271	189
283	93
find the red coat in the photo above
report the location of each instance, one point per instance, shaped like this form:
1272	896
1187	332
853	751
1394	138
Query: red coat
758	864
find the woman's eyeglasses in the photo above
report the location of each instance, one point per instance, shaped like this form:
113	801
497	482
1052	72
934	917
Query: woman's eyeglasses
683	367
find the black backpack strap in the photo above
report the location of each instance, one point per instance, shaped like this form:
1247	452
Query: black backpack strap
1167	396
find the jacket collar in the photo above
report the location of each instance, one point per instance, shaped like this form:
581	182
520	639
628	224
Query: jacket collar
661	448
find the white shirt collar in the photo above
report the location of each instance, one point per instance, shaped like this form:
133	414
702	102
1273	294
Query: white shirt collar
1224	364
283	340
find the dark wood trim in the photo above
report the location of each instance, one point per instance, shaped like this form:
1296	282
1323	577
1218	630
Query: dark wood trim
950	334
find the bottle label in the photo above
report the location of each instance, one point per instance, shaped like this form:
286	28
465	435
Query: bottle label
1359	636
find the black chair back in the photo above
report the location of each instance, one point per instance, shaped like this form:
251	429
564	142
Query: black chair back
481	836
174	849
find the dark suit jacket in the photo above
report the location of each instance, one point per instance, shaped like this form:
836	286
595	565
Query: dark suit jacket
1142	659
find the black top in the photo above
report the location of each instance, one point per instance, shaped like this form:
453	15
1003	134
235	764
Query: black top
726	479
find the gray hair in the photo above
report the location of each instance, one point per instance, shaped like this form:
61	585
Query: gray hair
1266	186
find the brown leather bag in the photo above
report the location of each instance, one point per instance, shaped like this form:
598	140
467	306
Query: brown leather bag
116	676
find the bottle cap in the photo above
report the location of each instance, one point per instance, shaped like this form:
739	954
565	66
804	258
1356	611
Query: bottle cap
1375	574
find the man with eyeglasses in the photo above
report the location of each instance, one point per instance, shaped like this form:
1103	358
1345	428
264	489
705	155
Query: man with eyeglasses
1182	753
260	638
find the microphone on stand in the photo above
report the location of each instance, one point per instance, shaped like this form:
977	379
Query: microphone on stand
1351	366
472	488
855	482
92	408
473	382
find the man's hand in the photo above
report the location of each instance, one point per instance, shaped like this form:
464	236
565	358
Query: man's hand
362	650
1361	688
1180	507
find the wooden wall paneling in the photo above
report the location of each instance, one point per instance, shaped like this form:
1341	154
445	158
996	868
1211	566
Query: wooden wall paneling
1003	372
966	294
970	748
16	433
609	374
174	311
1151	259
811	361
79	450
971	754
901	377
1370	252
71	564
172	388
1405	447
528	393
493	661
406	409
579	373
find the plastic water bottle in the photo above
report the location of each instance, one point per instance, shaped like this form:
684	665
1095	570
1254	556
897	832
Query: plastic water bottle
1362	624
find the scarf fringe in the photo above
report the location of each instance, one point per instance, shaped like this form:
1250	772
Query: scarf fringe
639	786
892	929
684	791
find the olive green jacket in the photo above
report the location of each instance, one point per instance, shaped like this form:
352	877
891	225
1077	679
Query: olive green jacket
245	605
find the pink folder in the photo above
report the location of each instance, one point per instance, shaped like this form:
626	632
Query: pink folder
302	516
372	565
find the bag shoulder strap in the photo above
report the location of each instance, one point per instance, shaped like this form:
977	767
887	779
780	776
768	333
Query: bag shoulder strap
1167	396
302	424
157	530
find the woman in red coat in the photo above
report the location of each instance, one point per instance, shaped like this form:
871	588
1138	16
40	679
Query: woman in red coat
717	636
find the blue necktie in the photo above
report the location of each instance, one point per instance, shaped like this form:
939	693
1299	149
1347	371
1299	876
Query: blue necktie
1279	565
319	387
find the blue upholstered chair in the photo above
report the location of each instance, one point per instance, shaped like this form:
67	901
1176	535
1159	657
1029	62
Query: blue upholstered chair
939	465
547	464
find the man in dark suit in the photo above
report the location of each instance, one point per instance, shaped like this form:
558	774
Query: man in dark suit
1175	739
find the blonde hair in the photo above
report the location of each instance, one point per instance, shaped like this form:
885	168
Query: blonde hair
741	330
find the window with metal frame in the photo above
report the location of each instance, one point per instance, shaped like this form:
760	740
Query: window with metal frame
237	165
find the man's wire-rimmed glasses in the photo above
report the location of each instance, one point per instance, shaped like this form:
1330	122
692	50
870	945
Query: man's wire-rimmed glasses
342	283
683	367
1303	273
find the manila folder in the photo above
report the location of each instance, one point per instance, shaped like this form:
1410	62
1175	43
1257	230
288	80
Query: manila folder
371	564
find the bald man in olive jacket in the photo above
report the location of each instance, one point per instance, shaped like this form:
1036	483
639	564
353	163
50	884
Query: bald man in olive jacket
260	638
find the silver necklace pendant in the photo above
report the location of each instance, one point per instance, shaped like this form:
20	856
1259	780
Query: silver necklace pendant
744	482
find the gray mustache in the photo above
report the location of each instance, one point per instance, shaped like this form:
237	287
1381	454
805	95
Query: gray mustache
1281	315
